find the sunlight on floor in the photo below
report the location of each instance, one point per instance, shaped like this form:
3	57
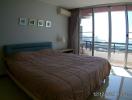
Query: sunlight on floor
121	72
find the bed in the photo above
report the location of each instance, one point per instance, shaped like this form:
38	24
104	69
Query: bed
46	74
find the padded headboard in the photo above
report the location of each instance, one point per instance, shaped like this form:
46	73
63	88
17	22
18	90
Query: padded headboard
13	48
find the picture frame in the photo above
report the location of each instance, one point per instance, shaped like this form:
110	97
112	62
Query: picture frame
40	23
23	21
31	22
48	24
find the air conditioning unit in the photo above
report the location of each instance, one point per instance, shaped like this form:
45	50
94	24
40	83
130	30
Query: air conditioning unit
64	12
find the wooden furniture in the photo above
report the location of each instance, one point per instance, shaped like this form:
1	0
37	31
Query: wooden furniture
67	50
50	75
13	48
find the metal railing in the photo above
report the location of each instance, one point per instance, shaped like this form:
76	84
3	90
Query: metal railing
103	46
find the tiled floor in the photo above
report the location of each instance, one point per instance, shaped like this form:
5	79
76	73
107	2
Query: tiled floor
9	90
119	71
117	58
117	87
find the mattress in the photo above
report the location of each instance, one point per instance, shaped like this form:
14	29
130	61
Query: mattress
52	75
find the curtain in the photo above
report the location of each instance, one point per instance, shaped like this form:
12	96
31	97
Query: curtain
117	8
101	9
73	30
129	7
85	12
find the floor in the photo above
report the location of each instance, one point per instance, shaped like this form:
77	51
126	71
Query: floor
9	90
117	58
117	87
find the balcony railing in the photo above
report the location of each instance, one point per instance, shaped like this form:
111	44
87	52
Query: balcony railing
103	46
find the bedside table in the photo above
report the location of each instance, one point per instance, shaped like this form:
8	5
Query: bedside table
67	50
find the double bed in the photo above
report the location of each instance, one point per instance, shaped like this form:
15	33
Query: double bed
47	74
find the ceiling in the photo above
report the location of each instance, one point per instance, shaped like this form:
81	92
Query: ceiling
70	4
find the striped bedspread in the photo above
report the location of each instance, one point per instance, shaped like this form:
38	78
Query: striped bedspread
51	75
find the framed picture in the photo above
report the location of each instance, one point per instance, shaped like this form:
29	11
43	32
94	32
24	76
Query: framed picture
40	22
22	21
31	22
48	23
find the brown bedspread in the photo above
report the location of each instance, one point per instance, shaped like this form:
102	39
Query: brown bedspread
51	75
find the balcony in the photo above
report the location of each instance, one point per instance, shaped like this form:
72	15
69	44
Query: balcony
101	50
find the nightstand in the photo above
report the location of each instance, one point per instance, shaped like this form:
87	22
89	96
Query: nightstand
67	50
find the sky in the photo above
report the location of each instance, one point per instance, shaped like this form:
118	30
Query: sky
102	28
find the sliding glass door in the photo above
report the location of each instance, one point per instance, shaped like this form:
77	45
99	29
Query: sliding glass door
129	59
118	37
86	33
107	32
101	32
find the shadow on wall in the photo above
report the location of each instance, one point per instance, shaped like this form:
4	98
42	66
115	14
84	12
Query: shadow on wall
2	66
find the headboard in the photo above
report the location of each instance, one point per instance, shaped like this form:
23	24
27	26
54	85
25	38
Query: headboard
13	48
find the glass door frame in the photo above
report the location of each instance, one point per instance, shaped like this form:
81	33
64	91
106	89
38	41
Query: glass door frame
110	34
128	32
127	28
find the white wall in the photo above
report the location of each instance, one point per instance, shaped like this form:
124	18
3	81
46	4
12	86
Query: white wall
12	33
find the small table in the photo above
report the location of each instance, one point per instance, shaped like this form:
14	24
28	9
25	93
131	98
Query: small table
67	50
